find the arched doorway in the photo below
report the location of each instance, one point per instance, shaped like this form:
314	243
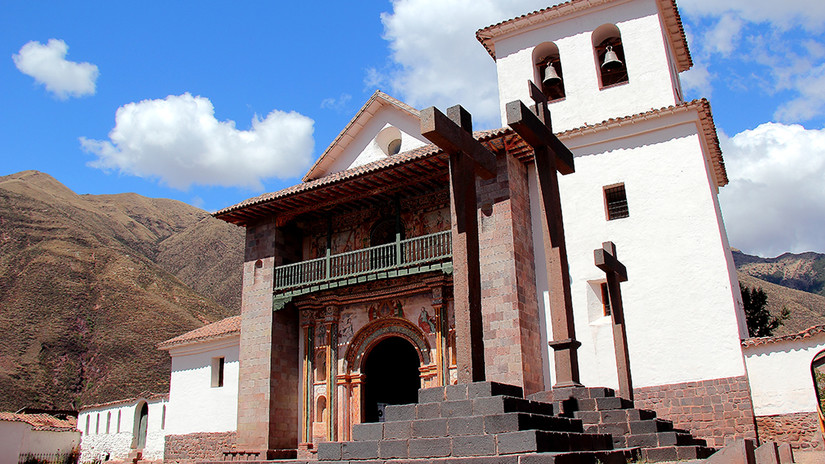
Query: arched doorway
391	376
141	426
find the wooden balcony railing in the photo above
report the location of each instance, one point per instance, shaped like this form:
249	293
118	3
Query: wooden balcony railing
411	255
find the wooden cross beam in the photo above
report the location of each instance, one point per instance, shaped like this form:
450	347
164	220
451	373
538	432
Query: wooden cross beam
468	157
551	157
605	258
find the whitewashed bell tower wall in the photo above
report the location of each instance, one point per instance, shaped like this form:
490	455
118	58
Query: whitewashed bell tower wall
682	305
652	77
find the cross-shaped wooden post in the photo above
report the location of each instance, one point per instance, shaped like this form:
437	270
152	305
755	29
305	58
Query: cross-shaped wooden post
551	157
468	157
615	271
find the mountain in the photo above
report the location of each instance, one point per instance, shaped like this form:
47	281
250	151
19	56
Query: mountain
793	281
89	284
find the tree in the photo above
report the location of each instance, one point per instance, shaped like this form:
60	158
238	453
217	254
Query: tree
760	322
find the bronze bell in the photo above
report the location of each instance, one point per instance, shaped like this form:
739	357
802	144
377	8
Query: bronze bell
550	75
611	59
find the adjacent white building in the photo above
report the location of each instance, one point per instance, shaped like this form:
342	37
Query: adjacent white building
125	429
41	435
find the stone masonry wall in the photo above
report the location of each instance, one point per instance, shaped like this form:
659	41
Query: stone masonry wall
718	410
269	371
512	335
800	430
192	447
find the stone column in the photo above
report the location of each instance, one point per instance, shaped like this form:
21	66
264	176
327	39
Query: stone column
269	369
512	333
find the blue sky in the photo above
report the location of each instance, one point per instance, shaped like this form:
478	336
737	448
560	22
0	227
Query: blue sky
214	102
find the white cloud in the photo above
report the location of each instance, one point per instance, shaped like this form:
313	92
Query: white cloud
809	14
698	78
47	64
337	104
179	141
775	201
722	37
425	72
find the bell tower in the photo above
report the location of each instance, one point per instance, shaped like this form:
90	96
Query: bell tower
594	59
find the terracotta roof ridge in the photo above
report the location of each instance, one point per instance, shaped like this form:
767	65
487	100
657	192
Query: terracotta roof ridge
218	329
807	333
375	96
40	421
147	395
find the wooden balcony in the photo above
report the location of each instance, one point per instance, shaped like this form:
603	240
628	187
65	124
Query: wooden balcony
426	253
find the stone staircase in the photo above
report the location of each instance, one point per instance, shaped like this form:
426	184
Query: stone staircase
478	423
602	412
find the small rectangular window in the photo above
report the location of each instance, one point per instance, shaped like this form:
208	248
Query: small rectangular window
87	423
217	371
615	199
605	299
118	422
163	418
108	421
97	425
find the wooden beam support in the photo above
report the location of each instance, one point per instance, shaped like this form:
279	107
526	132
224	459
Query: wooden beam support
450	137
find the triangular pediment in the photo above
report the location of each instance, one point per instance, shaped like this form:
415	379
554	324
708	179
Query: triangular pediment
384	126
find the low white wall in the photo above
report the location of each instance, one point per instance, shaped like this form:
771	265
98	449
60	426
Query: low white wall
780	375
117	443
48	442
194	404
11	440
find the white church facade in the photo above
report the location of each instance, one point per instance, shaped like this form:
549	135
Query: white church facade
292	370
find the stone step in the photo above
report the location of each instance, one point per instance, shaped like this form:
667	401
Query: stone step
614	416
467	392
633	427
480	406
656	440
458	426
529	441
561	394
622	456
676	453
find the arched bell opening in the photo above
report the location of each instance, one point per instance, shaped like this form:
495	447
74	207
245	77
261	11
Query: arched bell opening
391	372
609	53
547	71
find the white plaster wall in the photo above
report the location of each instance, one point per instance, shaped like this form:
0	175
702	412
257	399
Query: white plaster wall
780	375
43	441
11	439
650	83
118	444
194	405
679	301
362	149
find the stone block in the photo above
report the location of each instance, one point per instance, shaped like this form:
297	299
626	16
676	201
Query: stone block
431	395
474	445
473	425
329	451
429	428
768	453
352	450
400	430
659	454
461	408
430	447
393	449
400	412
737	452
456	392
482	389
785	453
368	431
517	442
428	411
